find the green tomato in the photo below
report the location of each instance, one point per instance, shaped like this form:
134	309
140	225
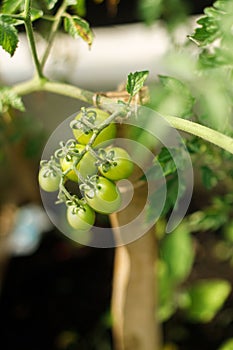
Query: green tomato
80	218
106	134
86	166
48	180
120	167
106	198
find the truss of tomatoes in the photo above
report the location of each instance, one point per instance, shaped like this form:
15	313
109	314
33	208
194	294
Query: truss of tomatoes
94	169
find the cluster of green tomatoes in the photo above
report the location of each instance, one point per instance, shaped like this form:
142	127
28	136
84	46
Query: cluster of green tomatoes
93	168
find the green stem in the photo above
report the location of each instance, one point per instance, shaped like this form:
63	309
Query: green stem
30	35
59	88
64	190
53	32
210	135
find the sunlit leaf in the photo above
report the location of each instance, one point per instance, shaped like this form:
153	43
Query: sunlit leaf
11	6
8	34
136	81
35	14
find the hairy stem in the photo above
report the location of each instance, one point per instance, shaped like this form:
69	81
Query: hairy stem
30	35
208	134
53	32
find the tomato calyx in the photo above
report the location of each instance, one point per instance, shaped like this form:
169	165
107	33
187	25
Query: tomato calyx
76	204
87	121
90	186
50	168
68	150
106	159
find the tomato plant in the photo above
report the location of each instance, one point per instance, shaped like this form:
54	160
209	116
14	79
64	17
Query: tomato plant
195	97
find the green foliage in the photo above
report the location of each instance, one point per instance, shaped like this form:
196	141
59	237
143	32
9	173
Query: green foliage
201	300
168	161
136	81
172	97
167	305
11	6
228	231
8	34
172	11
209	178
78	27
177	252
50	4
216	25
228	345
9	99
150	10
80	7
205	298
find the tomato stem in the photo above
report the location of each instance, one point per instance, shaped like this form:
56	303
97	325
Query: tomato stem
219	139
30	36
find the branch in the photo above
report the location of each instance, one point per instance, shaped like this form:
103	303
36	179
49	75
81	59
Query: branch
208	134
68	90
217	138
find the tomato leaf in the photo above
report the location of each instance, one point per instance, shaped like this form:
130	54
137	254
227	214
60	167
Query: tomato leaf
177	252
228	345
206	298
209	178
35	14
78	27
80	8
9	99
172	97
136	81
150	10
216	22
8	34
11	6
166	292
50	4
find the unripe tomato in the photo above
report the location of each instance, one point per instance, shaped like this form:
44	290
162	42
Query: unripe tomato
86	166
48	180
120	167
106	134
106	198
80	218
